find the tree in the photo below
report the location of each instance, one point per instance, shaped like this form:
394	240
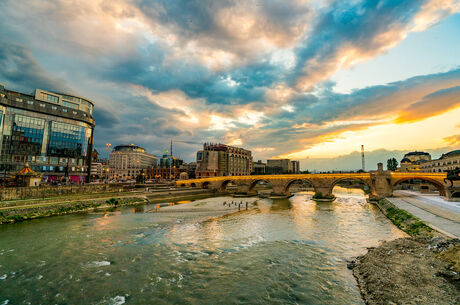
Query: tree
392	164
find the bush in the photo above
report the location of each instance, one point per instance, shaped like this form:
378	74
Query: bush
113	201
319	195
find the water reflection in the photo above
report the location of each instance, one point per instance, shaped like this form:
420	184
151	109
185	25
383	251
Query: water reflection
284	251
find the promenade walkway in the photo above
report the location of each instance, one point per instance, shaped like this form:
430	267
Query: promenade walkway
432	209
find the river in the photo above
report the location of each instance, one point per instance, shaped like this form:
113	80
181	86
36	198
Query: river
291	251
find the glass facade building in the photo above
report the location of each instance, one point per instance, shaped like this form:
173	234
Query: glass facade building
51	132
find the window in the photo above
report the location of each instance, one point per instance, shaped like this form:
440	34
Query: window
18	99
64	110
70	105
52	98
30	102
42	105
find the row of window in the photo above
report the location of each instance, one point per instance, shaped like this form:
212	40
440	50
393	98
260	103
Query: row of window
43	159
51	99
441	164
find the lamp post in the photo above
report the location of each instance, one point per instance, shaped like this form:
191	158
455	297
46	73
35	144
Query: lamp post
108	166
108	148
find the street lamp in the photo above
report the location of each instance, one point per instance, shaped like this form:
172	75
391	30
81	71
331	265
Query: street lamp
108	148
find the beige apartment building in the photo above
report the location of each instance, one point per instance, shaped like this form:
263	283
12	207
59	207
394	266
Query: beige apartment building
223	160
127	161
447	161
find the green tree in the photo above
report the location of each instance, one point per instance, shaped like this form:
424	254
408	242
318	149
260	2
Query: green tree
392	164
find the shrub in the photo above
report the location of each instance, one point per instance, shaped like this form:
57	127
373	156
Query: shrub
113	201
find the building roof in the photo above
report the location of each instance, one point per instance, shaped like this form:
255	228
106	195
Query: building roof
451	154
128	147
406	160
417	153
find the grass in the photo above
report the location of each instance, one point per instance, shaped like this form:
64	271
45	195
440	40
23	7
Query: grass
62	209
405	220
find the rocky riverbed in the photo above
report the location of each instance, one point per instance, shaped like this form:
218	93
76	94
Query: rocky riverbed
421	269
410	271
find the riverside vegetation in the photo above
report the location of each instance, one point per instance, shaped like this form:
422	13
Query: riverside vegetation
21	214
421	269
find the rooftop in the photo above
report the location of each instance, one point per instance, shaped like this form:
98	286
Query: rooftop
451	154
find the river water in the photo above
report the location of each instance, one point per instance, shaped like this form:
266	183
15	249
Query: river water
291	251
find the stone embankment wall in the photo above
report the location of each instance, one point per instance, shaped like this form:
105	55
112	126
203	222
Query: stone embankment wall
12	193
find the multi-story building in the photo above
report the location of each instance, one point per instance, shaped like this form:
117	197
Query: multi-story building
447	161
99	170
127	161
282	166
413	161
50	131
259	168
295	167
169	168
223	160
168	161
189	168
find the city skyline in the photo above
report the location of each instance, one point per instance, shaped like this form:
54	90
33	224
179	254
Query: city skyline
304	79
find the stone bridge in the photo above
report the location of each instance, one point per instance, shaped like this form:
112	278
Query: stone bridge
380	183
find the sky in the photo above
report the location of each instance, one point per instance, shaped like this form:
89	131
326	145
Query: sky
311	80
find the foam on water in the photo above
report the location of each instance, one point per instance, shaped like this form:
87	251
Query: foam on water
99	264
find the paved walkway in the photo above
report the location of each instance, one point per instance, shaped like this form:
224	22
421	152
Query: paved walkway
432	209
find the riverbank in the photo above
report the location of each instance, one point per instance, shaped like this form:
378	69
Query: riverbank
229	205
21	210
421	269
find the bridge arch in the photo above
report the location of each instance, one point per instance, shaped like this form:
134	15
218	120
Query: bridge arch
205	185
193	184
436	183
256	181
182	185
363	181
223	186
292	181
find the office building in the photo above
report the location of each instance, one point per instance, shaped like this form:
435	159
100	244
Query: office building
223	160
295	167
282	166
51	132
259	168
127	161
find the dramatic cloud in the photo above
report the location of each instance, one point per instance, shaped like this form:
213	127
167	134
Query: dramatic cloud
432	104
20	68
249	73
453	140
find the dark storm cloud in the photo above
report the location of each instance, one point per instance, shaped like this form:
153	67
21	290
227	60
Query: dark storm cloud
20	70
104	119
118	52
